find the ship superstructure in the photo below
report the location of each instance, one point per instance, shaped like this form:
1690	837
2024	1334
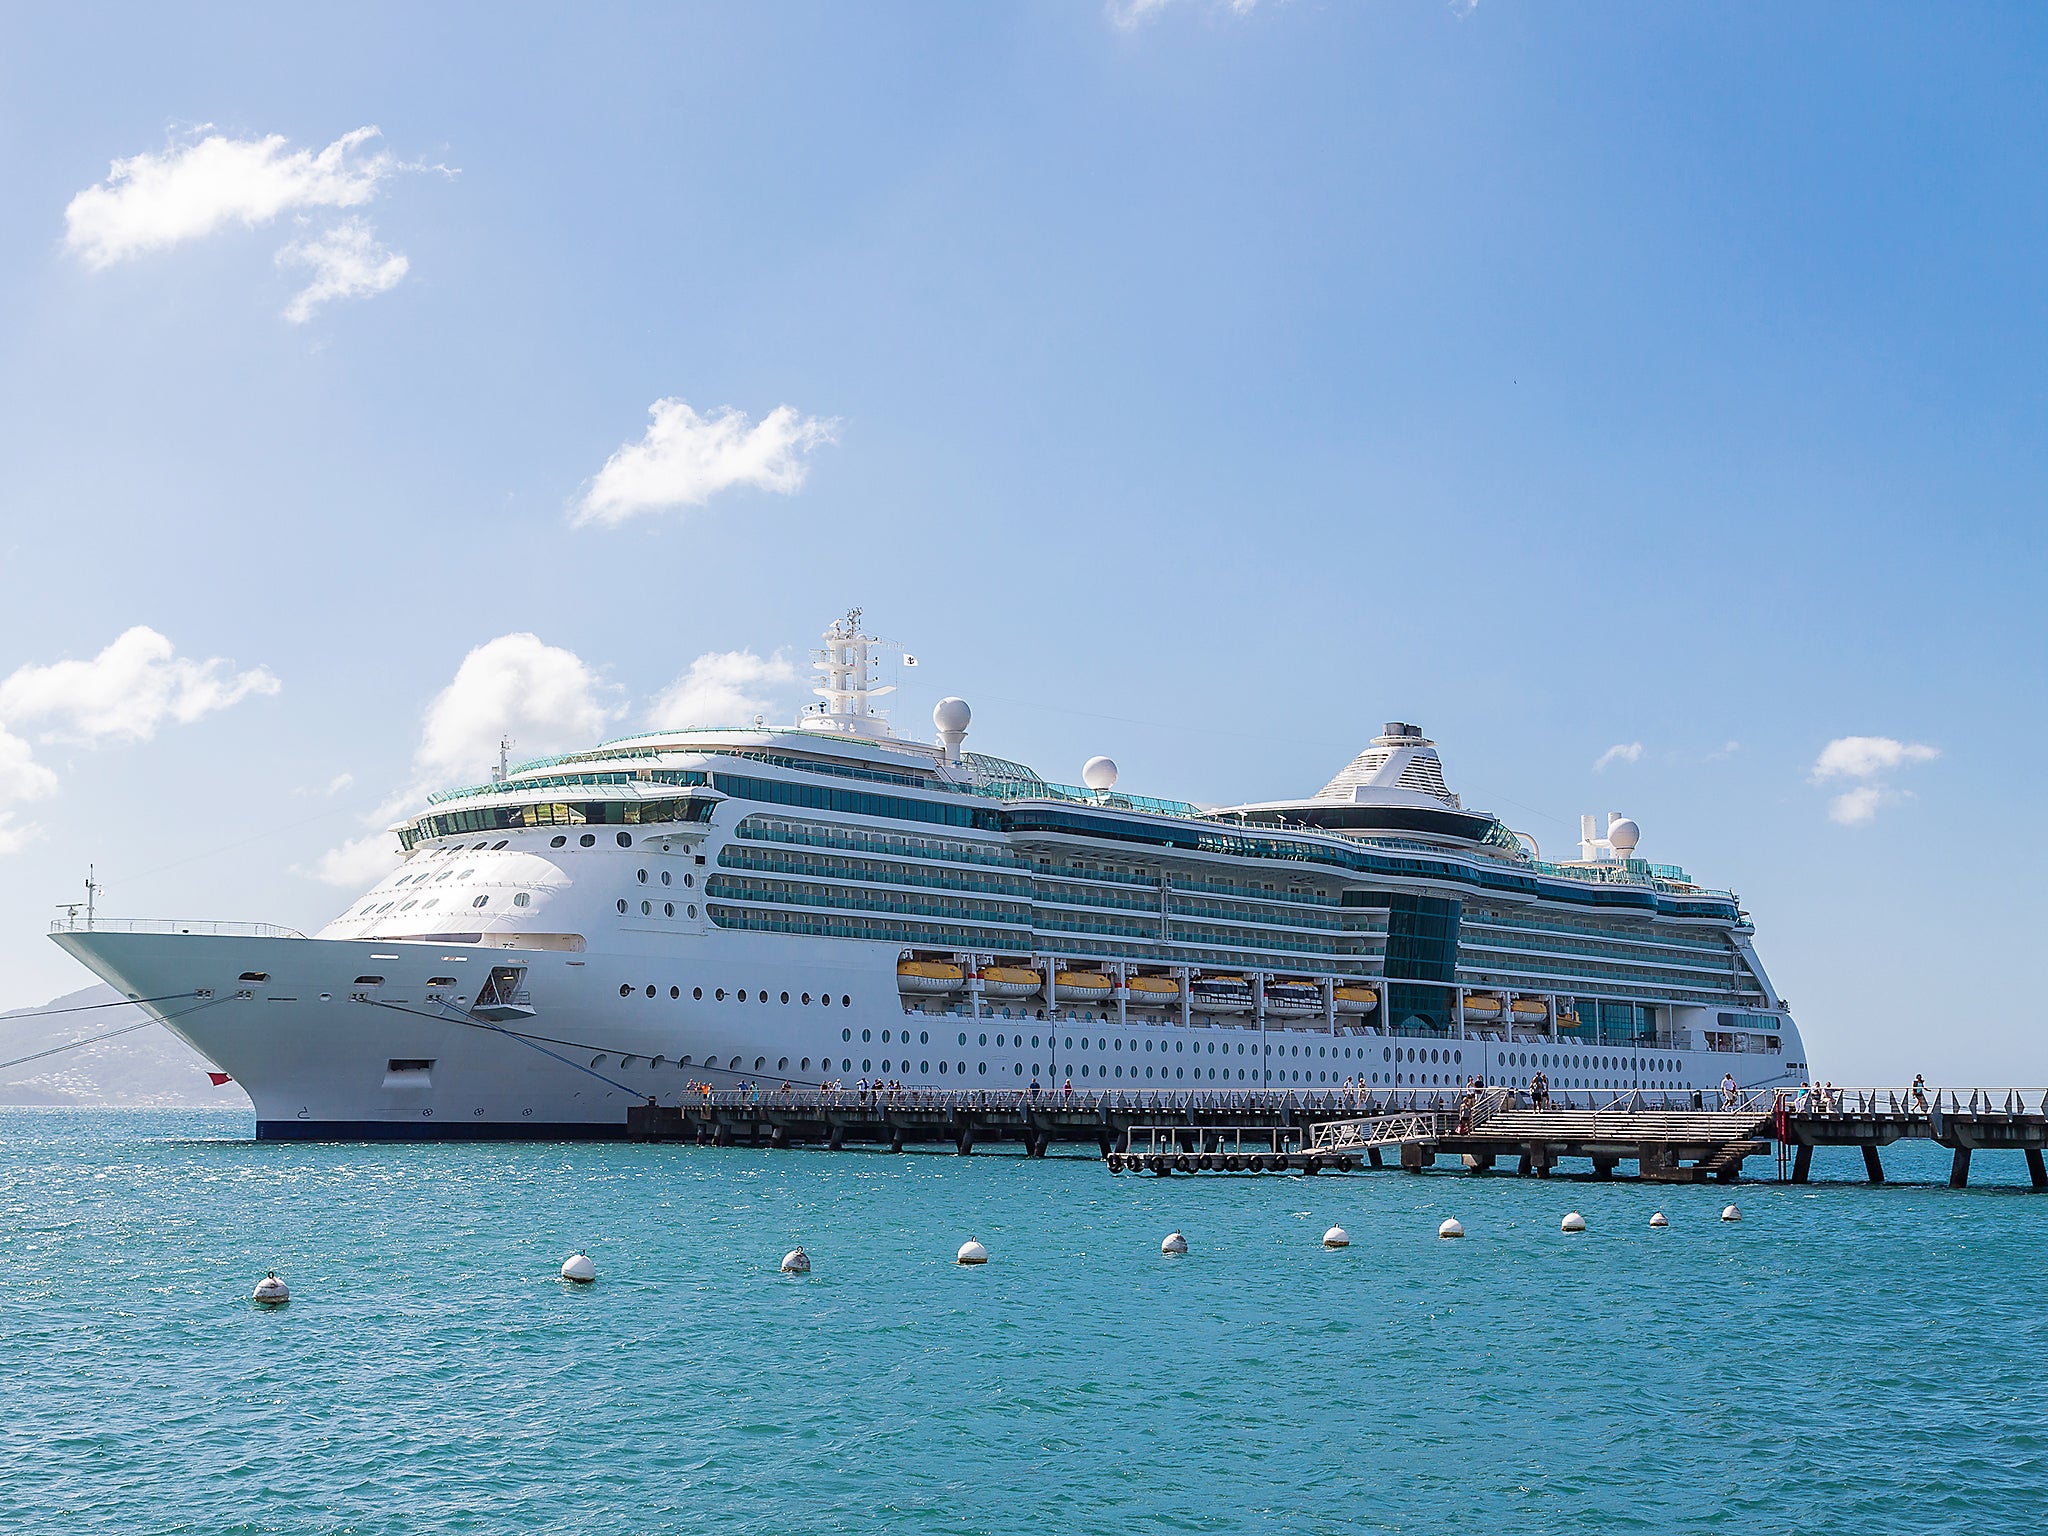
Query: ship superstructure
830	901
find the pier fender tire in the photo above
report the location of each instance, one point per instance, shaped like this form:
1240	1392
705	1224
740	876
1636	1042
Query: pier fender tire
1115	1161
1233	1163
1347	1164
1159	1164
1183	1164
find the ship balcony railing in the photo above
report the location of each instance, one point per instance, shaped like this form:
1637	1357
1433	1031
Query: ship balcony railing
73	923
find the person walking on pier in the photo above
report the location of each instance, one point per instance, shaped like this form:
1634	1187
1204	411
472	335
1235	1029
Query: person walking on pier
1729	1091
1920	1091
1539	1090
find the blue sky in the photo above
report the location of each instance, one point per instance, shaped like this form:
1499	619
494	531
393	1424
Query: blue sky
1201	384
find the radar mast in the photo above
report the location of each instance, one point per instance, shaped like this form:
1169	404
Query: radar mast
847	663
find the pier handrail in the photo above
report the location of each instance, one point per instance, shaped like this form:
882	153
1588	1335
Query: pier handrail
1927	1099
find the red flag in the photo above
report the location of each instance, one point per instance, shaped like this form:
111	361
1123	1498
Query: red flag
219	1078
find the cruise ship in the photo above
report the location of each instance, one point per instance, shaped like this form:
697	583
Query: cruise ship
832	902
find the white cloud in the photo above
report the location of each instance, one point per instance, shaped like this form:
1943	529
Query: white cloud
362	862
1856	806
1132	14
22	779
1625	752
347	262
685	459
543	697
330	789
152	202
721	688
1865	758
132	687
1862	757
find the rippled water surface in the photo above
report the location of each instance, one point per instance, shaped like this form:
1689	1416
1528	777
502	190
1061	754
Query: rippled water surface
1845	1358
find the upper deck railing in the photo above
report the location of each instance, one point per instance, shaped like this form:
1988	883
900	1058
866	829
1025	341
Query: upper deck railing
75	923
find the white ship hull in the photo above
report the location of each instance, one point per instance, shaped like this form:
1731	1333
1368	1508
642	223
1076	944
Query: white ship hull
324	1059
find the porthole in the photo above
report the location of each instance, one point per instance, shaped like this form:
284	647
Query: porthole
764	997
666	877
924	1066
984	1039
963	1039
785	997
984	1069
675	992
622	906
498	844
650	989
846	1002
697	993
588	840
642	876
481	901
647	909
741	995
689	879
523	899
807	999
625	989
719	995
942	1069
847	1034
668	909
782	1065
866	1035
693	912
558	841
923	1038
625	839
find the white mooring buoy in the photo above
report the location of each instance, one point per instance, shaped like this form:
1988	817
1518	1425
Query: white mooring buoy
796	1262
1174	1243
1573	1222
1657	1219
971	1252
271	1291
1451	1227
1336	1237
577	1267
1731	1213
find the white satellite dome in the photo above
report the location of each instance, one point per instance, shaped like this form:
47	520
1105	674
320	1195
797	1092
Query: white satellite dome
951	714
1099	773
1623	835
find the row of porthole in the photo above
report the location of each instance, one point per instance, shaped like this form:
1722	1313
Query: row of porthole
718	995
1576	1063
667	878
922	1039
587	840
1438	1057
519	899
668	909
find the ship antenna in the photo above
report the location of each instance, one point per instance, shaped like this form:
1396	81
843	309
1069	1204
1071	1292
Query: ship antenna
504	769
92	891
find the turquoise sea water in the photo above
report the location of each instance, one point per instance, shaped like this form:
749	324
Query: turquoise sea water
1853	1359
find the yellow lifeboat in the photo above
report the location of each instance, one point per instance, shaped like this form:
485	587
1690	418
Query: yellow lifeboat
929	976
1357	999
1482	1005
1152	991
1530	1010
1083	986
1010	981
1566	1019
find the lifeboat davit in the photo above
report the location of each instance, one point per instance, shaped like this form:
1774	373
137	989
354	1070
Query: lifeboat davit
1482	1005
1083	986
1152	991
929	976
1357	999
1221	994
1294	997
1010	981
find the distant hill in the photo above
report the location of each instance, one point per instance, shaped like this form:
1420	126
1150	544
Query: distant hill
151	1067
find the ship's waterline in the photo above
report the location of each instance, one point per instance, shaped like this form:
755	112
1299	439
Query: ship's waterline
833	902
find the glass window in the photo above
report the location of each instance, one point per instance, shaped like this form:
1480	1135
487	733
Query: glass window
625	839
481	901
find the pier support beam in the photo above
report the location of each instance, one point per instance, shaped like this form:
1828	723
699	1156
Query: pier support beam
1479	1162
1873	1169
1959	1169
895	1138
1415	1158
1035	1146
1372	1155
965	1142
2037	1171
1802	1163
1603	1167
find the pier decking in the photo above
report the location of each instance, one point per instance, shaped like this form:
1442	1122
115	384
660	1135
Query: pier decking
1671	1138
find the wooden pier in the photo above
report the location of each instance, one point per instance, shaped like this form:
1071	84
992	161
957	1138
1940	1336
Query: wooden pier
2006	1120
1670	1138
